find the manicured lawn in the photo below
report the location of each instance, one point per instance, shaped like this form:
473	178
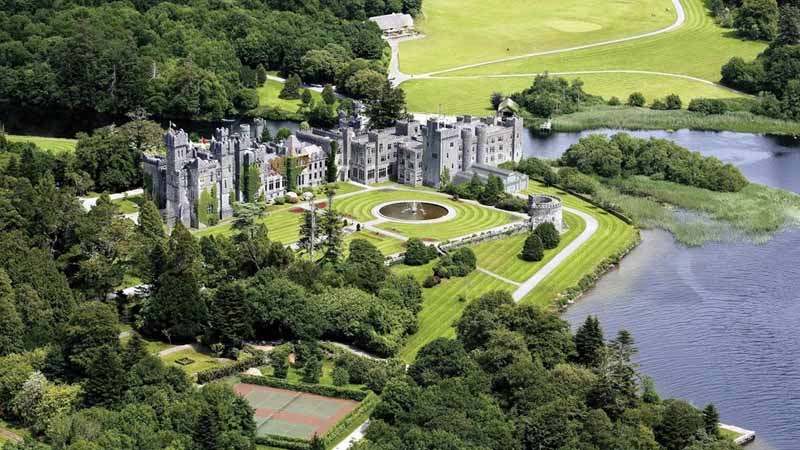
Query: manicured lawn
468	31
387	245
283	225
502	256
295	375
129	205
612	236
268	96
699	48
56	145
202	361
441	305
154	347
344	188
469	218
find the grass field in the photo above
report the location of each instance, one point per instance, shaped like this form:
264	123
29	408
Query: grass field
387	245
56	145
699	48
283	226
467	31
502	256
129	205
612	236
469	217
201	362
268	97
441	306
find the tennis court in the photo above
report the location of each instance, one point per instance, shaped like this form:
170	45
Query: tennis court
291	413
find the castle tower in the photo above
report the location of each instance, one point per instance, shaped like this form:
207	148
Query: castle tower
467	139
517	147
480	148
177	202
222	148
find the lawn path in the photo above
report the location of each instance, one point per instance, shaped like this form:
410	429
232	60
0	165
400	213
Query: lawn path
399	77
499	277
530	283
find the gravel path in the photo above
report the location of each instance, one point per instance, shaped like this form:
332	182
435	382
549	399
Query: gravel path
530	283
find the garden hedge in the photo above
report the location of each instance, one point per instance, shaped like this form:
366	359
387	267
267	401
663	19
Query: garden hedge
215	373
318	389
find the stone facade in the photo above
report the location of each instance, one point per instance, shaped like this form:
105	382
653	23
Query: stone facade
545	208
197	184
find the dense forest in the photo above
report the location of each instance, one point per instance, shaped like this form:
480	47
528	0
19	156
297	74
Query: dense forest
187	59
775	74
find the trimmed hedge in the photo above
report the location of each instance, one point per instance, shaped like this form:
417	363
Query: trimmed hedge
215	373
318	389
272	440
360	413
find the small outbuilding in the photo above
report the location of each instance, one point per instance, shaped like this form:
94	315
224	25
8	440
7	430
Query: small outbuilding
394	24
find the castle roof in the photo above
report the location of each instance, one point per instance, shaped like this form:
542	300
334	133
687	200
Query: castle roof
393	21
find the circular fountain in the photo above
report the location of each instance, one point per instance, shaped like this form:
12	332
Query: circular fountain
414	211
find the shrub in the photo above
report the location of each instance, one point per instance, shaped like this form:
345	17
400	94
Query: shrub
511	203
674	102
636	99
495	99
548	234
768	106
532	250
215	373
340	376
658	105
431	281
318	389
575	181
458	263
614	101
312	370
417	253
707	106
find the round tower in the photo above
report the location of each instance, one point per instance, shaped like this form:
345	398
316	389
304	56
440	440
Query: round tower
480	147
467	139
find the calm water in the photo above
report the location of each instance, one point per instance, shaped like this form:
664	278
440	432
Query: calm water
716	323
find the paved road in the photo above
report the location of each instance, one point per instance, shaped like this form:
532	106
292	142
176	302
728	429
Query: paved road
89	202
530	283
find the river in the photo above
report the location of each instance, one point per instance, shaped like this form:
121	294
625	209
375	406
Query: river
716	323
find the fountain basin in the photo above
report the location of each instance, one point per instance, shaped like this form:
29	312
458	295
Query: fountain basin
414	211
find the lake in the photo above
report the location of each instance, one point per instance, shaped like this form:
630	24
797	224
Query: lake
716	323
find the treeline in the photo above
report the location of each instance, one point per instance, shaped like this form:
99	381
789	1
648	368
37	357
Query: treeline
624	155
196	60
775	74
551	96
107	160
514	377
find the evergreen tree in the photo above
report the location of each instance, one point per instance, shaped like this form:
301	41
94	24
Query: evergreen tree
711	420
312	370
316	443
106	379
331	171
11	326
365	268
247	219
266	136
589	343
492	192
291	88
278	362
327	95
331	228
309	230
149	224
135	350
306	98
387	107
548	233
230	316
532	250
261	74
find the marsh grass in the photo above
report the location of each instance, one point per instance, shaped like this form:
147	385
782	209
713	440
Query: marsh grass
644	119
696	216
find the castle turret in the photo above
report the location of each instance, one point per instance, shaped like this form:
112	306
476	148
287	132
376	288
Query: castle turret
467	138
177	143
480	147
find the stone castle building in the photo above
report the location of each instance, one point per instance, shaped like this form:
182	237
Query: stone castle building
198	184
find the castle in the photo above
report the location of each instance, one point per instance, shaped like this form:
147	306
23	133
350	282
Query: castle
197	184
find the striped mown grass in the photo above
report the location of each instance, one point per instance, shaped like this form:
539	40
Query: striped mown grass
469	218
612	236
387	245
283	225
501	256
442	305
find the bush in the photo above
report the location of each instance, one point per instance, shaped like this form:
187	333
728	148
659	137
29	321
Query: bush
495	99
674	102
417	253
548	234
341	377
768	106
575	181
614	101
636	99
707	106
658	105
458	263
318	389
215	373
532	250
511	203
431	281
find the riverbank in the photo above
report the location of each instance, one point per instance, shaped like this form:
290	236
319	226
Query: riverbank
626	117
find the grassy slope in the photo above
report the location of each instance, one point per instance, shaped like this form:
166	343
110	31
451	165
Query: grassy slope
283	226
268	95
468	31
441	306
470	218
56	145
502	256
612	236
699	48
